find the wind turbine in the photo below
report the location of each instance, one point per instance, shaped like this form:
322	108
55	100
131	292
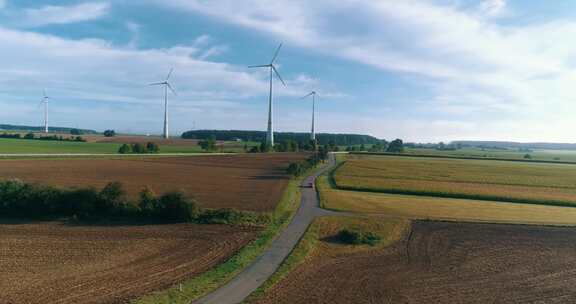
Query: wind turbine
45	102
270	131
167	86
312	133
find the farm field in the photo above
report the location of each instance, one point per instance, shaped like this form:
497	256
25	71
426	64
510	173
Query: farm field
109	145
475	179
449	209
536	154
253	182
49	262
438	262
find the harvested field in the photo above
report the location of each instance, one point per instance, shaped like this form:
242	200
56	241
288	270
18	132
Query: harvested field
253	182
122	139
58	263
440	263
474	179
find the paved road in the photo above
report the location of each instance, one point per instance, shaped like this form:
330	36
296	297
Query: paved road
264	266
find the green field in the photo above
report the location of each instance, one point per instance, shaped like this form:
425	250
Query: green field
521	182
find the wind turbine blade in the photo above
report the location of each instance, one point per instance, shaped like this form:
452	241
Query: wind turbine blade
276	54
169	74
259	66
171	89
311	93
278	74
157	83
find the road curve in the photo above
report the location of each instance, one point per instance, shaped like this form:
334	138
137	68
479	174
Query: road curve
266	264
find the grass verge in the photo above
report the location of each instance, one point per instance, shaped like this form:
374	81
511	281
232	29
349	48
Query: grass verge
220	275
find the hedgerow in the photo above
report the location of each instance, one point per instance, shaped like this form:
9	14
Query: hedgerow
26	200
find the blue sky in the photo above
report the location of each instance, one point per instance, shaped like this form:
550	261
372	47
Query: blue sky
427	70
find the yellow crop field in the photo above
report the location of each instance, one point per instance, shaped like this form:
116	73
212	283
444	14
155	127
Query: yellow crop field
524	182
437	208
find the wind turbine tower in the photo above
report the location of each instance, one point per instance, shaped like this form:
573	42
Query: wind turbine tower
167	86
312	132
273	70
45	102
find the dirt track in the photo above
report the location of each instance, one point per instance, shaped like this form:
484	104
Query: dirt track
249	181
56	263
443	263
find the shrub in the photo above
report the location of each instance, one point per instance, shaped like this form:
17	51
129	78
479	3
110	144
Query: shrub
230	216
29	135
354	237
147	202
125	149
139	148
174	206
152	147
294	169
527	156
84	203
113	196
109	133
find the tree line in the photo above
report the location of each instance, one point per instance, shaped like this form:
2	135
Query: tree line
260	136
25	200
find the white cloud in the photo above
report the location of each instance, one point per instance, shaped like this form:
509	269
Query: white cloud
493	8
483	70
52	14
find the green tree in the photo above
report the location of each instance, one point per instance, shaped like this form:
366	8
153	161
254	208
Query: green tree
125	149
395	146
152	147
139	148
109	133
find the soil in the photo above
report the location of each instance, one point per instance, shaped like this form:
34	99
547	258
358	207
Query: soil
253	182
440	262
54	262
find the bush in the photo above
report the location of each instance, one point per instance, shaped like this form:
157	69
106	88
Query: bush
174	206
229	217
76	132
109	133
29	135
113	196
354	237
147	202
152	147
125	149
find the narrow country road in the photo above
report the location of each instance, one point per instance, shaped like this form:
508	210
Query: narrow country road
266	264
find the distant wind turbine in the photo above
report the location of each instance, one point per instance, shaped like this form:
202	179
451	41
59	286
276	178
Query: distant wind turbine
312	133
270	131
45	102
167	86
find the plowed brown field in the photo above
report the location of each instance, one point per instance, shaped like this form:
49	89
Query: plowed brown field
442	263
252	182
58	263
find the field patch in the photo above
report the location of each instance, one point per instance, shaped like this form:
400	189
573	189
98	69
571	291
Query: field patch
252	182
55	262
553	184
438	262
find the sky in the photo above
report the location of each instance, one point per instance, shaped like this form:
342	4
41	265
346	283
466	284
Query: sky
420	70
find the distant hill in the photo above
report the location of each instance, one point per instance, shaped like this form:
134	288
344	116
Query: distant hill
259	136
5	127
515	145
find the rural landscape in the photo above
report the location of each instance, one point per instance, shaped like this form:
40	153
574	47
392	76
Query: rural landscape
222	152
